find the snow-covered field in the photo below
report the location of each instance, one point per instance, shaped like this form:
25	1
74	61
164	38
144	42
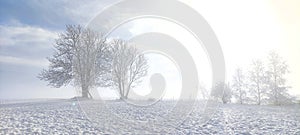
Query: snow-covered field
116	117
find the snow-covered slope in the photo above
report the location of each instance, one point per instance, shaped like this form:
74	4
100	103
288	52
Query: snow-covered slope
117	117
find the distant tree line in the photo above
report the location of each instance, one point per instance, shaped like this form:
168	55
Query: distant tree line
263	83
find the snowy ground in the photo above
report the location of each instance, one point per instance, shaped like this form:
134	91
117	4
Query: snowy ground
112	117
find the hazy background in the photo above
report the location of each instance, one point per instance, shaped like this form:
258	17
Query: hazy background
245	29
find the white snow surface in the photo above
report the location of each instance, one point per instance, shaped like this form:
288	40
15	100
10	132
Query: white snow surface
118	117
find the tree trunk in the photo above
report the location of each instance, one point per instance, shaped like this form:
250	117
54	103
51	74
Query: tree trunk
121	92
84	92
258	94
91	97
127	92
123	97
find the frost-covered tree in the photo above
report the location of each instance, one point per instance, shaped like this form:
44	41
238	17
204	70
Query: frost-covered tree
239	86
222	91
128	68
277	69
80	57
204	92
257	78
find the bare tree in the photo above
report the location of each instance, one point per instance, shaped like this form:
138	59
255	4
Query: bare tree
80	57
204	92
128	67
257	77
222	91
239	86
277	70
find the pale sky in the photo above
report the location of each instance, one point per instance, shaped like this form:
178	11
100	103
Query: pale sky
245	30
250	29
